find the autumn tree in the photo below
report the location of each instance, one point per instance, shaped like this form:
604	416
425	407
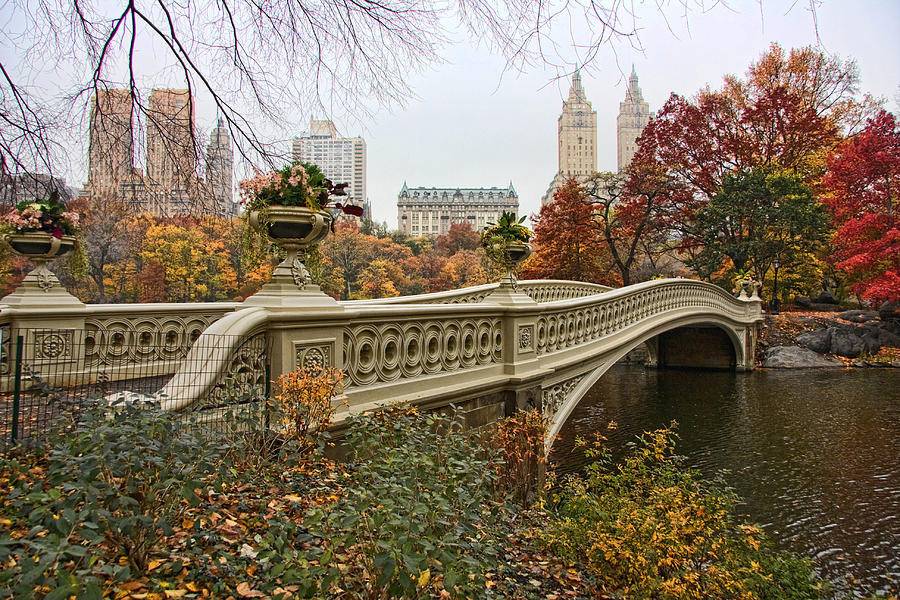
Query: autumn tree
789	110
193	267
630	210
460	236
861	190
352	252
377	280
759	216
463	269
568	243
109	233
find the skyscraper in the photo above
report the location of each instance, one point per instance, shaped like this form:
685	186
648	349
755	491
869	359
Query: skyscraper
634	114
577	138
171	153
220	169
342	159
110	142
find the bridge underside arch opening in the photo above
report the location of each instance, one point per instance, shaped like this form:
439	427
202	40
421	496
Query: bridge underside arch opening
700	343
695	347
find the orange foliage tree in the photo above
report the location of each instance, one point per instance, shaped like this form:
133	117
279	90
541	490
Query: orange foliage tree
568	243
460	236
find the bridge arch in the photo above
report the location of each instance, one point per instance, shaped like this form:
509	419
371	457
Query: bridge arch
564	393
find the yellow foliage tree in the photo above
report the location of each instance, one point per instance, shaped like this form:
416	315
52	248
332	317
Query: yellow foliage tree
195	268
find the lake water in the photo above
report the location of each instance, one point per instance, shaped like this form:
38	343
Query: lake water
815	454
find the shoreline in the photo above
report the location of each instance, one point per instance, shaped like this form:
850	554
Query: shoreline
828	339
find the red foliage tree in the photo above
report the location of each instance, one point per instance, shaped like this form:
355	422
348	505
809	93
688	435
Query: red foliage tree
567	243
789	111
861	189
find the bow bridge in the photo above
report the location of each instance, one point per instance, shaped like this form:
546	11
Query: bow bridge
490	350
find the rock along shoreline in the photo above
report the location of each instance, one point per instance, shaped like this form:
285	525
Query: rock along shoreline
819	339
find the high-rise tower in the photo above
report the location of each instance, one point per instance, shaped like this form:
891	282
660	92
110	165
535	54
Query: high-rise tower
342	159
634	114
220	169
577	138
171	155
111	142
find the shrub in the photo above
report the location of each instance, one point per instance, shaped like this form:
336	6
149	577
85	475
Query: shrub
304	402
417	513
117	481
518	443
652	528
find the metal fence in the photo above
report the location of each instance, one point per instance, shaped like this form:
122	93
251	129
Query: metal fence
45	373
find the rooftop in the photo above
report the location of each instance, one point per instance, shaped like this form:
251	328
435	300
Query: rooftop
453	191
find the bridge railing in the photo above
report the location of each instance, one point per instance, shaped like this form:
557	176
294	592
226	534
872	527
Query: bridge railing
114	337
539	290
562	325
48	374
419	352
421	348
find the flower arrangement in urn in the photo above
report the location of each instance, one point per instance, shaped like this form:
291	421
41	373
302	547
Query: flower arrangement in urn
298	185
506	243
293	207
40	229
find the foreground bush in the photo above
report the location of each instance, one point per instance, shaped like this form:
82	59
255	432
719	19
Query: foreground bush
134	503
417	512
650	527
115	482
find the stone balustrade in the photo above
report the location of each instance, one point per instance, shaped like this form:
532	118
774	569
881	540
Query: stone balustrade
538	342
110	338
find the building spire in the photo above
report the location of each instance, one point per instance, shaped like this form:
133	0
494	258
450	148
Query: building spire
633	91
576	91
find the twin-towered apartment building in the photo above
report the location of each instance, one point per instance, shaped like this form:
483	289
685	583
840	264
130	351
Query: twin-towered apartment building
171	182
577	133
429	211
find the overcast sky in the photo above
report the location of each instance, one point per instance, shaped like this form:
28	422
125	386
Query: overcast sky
469	129
471	126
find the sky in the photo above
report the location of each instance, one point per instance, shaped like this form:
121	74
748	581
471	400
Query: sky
470	124
469	128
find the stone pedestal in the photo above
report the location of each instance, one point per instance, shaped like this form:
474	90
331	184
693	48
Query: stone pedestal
290	288
50	322
508	294
41	289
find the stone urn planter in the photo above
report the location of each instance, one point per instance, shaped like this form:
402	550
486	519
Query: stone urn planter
40	247
510	254
294	229
40	287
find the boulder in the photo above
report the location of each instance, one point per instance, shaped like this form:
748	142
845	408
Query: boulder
825	298
889	311
795	357
859	316
892	326
885	334
846	343
817	341
871	342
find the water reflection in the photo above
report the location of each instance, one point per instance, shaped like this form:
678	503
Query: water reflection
813	453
